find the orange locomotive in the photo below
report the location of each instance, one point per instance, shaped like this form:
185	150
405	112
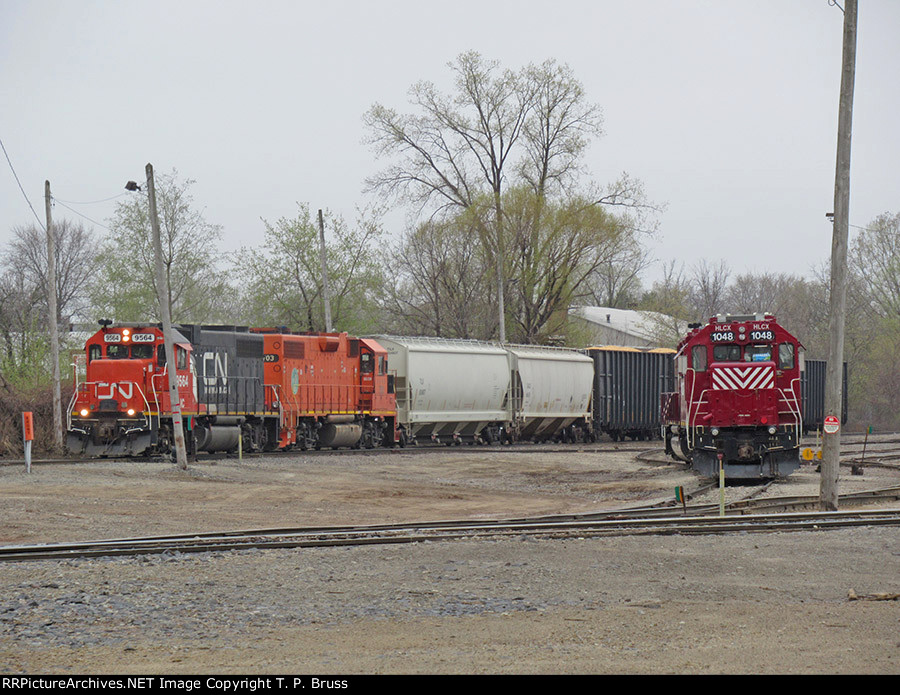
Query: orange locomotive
330	390
262	389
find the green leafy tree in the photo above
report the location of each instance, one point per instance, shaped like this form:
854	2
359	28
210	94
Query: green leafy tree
125	286
554	248
283	279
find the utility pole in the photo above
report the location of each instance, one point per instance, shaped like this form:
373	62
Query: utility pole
52	324
325	291
171	364
831	445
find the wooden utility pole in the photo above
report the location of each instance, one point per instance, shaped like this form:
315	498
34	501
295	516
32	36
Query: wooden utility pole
52	323
325	290
831	445
171	364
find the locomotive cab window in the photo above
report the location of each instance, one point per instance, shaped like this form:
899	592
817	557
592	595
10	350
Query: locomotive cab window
786	356
758	353
142	352
366	365
94	352
180	357
161	355
726	353
698	358
117	352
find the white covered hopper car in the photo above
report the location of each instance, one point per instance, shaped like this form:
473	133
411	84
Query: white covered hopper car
467	390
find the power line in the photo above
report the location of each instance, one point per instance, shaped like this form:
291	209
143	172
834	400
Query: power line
90	202
99	224
13	169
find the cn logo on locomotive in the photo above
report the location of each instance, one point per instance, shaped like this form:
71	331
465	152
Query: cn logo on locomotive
107	391
215	367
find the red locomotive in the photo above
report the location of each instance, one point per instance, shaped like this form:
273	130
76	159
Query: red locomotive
123	407
738	400
262	389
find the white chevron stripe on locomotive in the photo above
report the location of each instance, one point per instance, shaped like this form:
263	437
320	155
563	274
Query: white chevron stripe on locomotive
743	378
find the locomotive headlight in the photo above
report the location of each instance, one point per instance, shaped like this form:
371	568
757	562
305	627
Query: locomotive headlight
773	430
714	431
131	412
85	412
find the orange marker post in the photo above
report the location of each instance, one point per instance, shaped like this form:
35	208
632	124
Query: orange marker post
27	437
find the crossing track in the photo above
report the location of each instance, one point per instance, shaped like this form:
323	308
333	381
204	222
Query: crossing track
608	523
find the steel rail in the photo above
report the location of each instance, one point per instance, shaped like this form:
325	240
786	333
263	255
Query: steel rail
444	531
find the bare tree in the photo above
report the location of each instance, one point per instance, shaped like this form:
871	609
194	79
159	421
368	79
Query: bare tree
617	280
667	305
75	264
708	289
500	129
438	282
875	261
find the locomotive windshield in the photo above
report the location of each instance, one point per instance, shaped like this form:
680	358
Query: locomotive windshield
786	356
698	358
757	353
726	353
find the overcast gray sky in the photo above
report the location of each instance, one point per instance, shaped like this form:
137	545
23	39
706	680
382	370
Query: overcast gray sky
725	109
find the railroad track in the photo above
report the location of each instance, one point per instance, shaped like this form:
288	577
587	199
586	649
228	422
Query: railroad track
608	523
427	448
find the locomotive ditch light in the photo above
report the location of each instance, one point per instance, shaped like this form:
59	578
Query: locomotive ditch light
85	412
131	412
773	430
714	431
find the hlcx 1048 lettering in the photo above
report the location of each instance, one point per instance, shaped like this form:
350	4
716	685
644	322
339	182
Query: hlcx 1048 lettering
762	335
722	336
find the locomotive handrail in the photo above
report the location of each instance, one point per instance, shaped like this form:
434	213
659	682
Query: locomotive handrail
690	406
796	412
82	388
156	390
69	409
310	399
692	424
276	399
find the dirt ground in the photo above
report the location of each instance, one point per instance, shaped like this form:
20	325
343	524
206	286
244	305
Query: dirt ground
747	603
